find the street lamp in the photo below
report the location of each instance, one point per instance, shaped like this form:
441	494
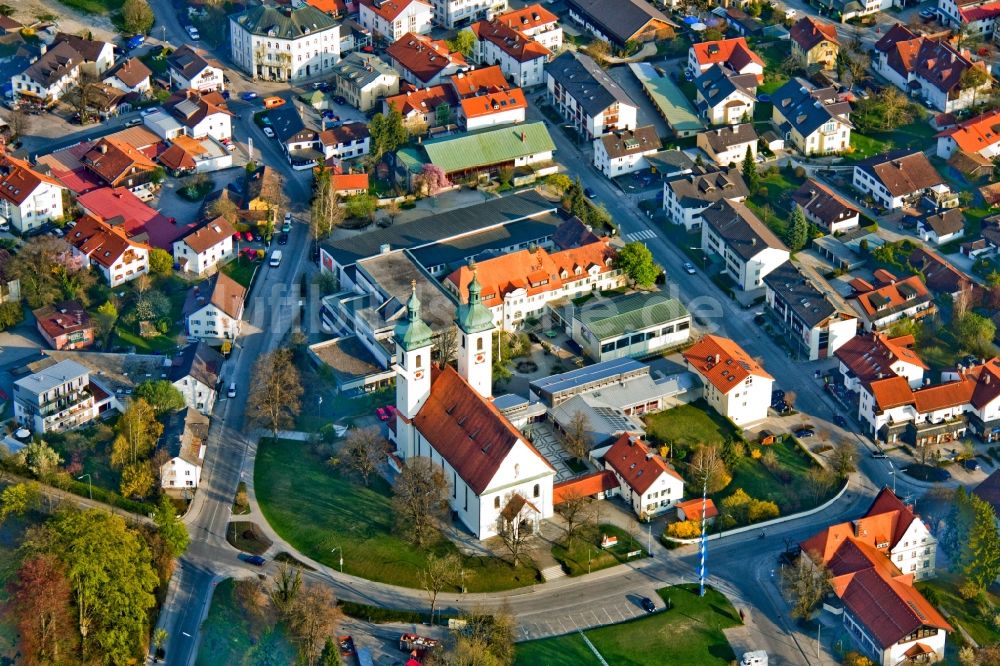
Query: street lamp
90	485
892	473
341	557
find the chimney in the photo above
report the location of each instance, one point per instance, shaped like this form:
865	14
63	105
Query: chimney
718	358
104	149
523	136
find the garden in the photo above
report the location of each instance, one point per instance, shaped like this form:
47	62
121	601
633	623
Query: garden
584	553
689	631
151	314
318	510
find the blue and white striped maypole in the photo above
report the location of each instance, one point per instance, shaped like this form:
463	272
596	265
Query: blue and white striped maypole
703	571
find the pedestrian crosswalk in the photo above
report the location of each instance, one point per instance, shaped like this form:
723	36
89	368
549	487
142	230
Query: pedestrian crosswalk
645	234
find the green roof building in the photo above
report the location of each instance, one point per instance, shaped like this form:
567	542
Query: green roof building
637	325
490	149
412	333
284	42
474	317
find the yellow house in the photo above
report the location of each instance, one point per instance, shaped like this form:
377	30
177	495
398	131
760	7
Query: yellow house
814	43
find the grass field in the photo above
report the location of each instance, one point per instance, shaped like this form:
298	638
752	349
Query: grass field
316	509
791	495
241	270
943	593
585	554
229	638
101	7
176	291
690	632
916	135
689	425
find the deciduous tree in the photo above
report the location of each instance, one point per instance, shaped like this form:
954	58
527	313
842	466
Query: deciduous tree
439	574
420	500
38	458
975	332
387	133
981	559
138	430
577	436
225	208
577	512
464	43
11	314
364	450
39	599
18	499
707	467
806	582
137	17
285	588
362	206
636	261
842	459
137	479
37	265
161	395
172	528
160	262
314	616
273	402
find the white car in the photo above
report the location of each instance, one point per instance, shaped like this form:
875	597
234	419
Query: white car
193	32
147	111
268	132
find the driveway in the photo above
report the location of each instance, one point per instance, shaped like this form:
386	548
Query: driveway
17	346
647	114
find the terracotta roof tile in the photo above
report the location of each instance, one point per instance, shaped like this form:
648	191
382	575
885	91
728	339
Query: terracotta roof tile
510	40
692	508
62	318
423	56
902	294
976	134
584	486
208	234
485	79
891	392
494	102
528	18
349	181
640	467
734	51
19	180
390	9
100	241
422	101
722	362
807	32
868	356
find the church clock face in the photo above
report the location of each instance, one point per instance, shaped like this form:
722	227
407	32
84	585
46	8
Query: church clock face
480	358
419	374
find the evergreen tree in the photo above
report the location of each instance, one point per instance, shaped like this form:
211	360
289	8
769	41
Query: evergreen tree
982	550
750	174
798	231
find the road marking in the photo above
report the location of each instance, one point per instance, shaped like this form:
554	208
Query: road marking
186	634
645	234
592	648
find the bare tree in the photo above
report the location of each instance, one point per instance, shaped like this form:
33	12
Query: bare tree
225	208
577	437
420	500
707	467
273	402
488	639
82	95
364	451
252	596
314	617
577	511
807	582
842	459
447	345
20	123
392	211
790	397
439	574
512	526
285	588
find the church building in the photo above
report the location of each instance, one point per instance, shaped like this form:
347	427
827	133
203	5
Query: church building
448	416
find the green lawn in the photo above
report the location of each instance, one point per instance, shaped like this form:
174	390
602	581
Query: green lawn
776	187
917	135
241	270
688	425
316	509
865	146
690	632
228	637
102	7
943	593
176	290
585	554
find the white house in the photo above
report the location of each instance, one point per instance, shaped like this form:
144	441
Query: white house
942	227
898	178
735	53
521	58
365	79
28	198
724	96
825	208
184	440
735	385
646	481
56	399
728	146
975	136
868	357
687	195
284	42
504	107
423	61
201	114
205	246
97	56
536	22
744	244
900	299
391	19
45	80
195	373
496	478
213	310
587	97
347	142
190	69
817	121
457	13
96	243
130	76
619	153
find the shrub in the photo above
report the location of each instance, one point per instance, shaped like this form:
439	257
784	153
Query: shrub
762	510
755	454
762	191
968	590
685	529
800	172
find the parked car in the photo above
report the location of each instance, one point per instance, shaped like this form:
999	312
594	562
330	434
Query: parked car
282	238
255	560
135	41
132	122
689	268
840	420
148	111
339	99
268	132
231	393
287	225
927	14
802	433
589	193
248	95
248	236
258	237
647	604
879	455
971	464
193	32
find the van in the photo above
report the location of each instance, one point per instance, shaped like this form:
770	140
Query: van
133	122
754	658
273	102
275	259
232	391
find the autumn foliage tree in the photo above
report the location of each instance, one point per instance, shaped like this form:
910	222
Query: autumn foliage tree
40	601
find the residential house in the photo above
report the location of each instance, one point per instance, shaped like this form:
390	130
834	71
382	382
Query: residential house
454	14
903	299
284	42
899	178
873	562
734	53
942	227
815	42
189	68
118	259
48	78
687	195
519	56
517	286
204	247
424	109
299	141
536	22
118	164
201	114
646	481
746	246
186	155
195	373
927	67
349	184
213	310
391	19
56	399
496	476
621	22
811	314
97	56
595	485
741	23
817	121
121	208
65	325
364	79
341	144
728	146
735	385
489	109
423	61
637	325
725	97
697	509
825	208
940	276
976	137
872	356
184	439
28	197
130	76
619	153
587	97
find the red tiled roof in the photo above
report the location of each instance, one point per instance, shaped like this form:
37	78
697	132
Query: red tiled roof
424	100
891	296
228	295
100	241
467	430
734	51
176	158
131	72
692	508
988	383
506	273
62	318
528	17
940	274
349	181
139	219
722	362
423	56
632	459
113	159
511	41
486	79
976	134
891	392
18	180
208	234
868	356
980	13
584	486
497	102
807	32
390	9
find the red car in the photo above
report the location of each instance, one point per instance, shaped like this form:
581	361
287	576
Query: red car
248	236
382	414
